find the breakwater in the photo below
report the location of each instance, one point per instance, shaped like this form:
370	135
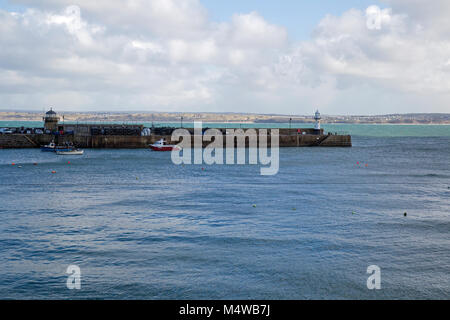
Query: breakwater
287	138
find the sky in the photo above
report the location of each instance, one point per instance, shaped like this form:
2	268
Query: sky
299	17
256	56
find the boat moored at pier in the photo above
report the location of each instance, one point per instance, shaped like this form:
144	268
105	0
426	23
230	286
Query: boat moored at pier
53	147
161	145
49	147
74	152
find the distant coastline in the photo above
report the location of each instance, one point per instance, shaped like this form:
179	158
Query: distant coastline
398	119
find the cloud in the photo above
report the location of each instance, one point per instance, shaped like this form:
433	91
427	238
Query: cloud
168	55
71	19
377	49
432	16
250	30
165	18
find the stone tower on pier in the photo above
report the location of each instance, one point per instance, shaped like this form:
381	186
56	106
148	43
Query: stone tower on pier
51	120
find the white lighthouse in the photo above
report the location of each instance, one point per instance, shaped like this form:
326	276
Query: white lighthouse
317	118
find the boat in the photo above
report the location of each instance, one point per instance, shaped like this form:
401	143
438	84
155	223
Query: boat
74	152
161	145
49	147
52	147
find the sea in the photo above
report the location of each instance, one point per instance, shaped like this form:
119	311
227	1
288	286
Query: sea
137	226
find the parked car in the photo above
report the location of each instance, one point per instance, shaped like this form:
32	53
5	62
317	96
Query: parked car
38	131
5	131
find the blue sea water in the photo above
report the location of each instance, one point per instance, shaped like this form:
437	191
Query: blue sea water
140	227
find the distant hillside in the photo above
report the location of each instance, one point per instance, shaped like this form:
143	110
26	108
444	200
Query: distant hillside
412	118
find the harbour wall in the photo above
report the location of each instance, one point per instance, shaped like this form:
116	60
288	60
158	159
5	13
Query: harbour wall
134	142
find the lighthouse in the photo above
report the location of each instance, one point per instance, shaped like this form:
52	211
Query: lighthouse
317	118
51	120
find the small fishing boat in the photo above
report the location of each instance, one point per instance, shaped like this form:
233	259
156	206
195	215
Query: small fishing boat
52	147
49	147
74	152
161	145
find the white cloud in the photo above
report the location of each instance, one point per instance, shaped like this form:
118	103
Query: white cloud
378	49
376	17
250	30
168	18
167	55
71	19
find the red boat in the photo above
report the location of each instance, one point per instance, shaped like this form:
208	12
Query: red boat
162	146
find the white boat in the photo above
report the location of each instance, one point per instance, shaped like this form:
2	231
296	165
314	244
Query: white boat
76	152
161	145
